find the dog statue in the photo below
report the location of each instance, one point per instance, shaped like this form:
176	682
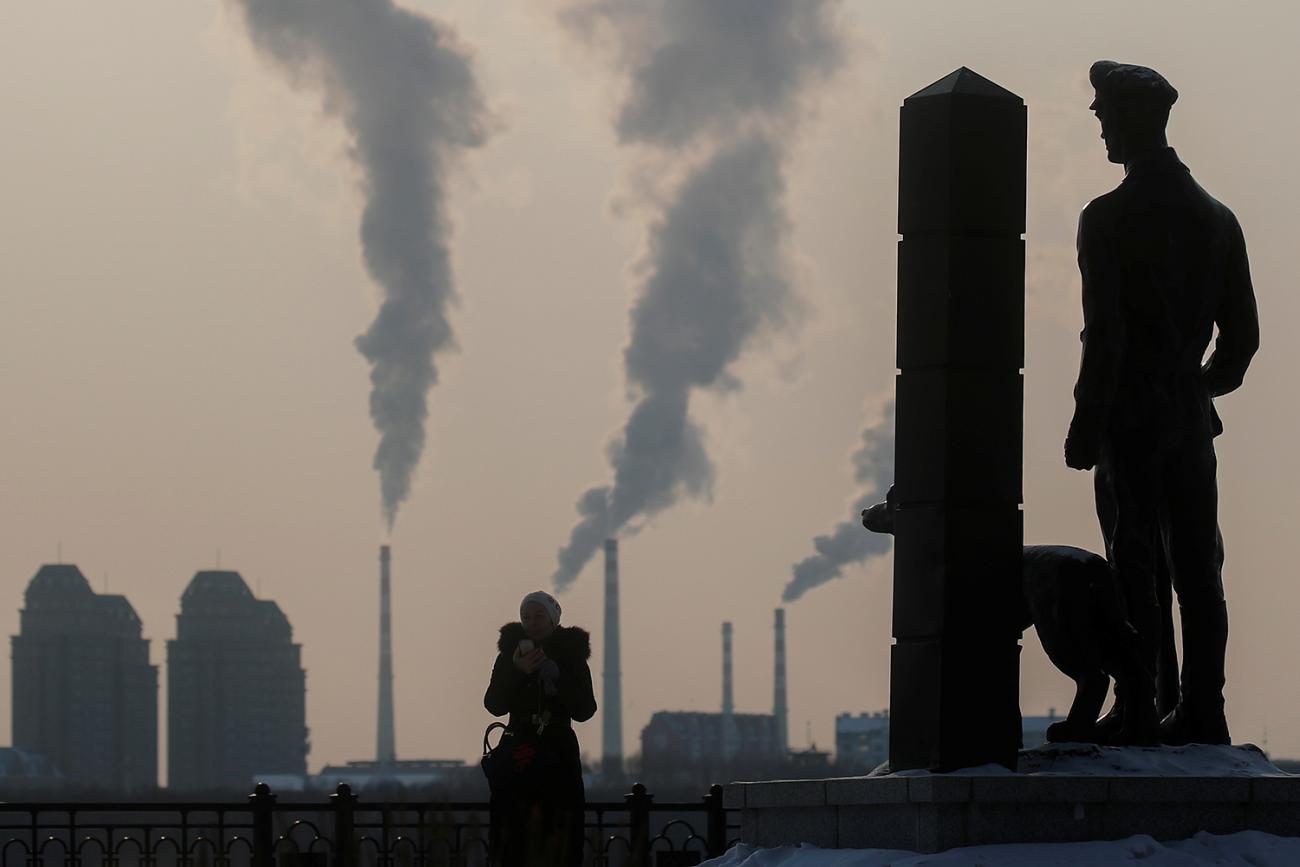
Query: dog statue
1071	597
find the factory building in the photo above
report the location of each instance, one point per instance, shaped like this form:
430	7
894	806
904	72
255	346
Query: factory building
685	736
85	697
691	746
862	741
236	689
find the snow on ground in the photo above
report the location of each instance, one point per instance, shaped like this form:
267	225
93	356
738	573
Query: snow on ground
1193	760
1246	848
1090	760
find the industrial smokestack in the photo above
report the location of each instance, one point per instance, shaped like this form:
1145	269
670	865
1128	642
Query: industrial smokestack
386	741
780	707
612	703
728	703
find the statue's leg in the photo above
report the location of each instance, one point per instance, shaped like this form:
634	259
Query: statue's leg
1103	493
1080	724
1196	560
1167	676
1167	660
1132	476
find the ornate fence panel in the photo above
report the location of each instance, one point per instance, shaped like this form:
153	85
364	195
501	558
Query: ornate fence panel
344	832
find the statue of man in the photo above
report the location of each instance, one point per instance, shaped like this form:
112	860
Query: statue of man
1163	263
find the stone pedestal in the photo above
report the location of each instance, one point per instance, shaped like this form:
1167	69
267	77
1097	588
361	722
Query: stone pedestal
932	813
955	669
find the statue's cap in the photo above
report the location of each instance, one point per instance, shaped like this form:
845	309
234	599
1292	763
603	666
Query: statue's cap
1124	81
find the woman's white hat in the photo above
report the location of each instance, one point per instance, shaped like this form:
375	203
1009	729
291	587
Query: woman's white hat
547	601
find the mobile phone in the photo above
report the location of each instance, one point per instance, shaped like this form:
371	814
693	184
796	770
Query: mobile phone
526	645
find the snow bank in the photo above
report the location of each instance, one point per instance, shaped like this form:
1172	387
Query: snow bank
1090	760
1247	848
1193	760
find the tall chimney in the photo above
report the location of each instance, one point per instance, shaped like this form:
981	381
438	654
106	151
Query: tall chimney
728	704
386	741
612	703
780	707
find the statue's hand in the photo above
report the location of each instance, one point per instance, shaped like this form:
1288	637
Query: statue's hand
1082	447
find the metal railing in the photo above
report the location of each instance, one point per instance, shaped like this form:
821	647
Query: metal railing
345	832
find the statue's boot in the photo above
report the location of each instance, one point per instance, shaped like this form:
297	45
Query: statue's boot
1141	723
1135	692
1199	716
1108	727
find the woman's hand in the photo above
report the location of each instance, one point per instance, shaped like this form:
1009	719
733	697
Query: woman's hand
528	662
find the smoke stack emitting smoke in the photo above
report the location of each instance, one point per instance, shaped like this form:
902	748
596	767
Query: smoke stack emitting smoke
717	85
728	698
850	542
611	746
385	733
780	701
406	91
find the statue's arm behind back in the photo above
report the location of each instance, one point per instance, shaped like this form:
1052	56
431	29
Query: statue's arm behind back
1237	317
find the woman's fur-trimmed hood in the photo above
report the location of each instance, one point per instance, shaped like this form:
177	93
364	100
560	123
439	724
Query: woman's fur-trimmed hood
564	644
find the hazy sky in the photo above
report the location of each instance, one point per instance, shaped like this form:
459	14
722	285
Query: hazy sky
182	284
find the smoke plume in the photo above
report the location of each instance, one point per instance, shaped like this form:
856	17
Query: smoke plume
713	90
850	542
405	89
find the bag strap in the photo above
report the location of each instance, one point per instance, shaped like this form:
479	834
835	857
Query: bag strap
487	733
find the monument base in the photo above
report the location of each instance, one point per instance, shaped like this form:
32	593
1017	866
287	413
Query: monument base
1103	794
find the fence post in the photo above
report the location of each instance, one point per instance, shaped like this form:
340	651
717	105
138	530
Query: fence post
716	836
345	849
638	808
263	836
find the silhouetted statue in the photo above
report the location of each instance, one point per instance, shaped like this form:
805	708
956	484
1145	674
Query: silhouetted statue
1072	599
1162	263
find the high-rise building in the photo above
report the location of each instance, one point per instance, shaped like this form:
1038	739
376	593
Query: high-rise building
236	689
84	694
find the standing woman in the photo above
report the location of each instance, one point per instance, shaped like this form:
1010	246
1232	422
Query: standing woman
542	681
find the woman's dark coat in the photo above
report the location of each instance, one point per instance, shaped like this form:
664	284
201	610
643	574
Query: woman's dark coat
522	697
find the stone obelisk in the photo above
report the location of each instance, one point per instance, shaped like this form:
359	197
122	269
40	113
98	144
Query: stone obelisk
955	668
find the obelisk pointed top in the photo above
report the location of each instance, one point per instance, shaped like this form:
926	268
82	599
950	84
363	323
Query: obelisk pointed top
964	82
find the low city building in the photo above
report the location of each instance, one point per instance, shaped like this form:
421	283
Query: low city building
862	740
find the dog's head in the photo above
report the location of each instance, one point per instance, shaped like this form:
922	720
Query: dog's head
880	517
